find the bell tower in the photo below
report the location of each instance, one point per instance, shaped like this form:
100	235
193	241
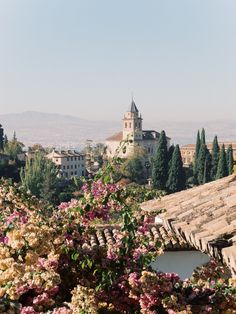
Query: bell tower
132	124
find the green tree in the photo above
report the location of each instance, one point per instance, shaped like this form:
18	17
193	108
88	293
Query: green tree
176	178
197	149
40	177
13	148
207	168
203	136
1	138
134	170
215	157
160	164
170	154
203	165
5	141
230	159
134	166
222	169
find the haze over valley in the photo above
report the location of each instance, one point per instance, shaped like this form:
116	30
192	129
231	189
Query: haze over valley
64	131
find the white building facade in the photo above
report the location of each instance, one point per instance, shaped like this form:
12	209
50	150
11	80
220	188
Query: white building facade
70	163
132	136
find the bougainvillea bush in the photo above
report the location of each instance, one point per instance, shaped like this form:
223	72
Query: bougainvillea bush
48	265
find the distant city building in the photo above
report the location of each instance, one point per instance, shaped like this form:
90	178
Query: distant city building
134	134
70	163
188	152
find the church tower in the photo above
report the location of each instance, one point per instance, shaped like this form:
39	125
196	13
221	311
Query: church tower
132	124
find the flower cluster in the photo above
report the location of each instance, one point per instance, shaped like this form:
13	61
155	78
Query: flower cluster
49	263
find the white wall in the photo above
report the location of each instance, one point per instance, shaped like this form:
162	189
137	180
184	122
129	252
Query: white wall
181	262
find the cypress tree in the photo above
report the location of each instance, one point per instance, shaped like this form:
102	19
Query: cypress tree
207	168
230	159
203	165
176	178
203	136
160	163
215	157
1	138
5	140
222	169
170	154
197	149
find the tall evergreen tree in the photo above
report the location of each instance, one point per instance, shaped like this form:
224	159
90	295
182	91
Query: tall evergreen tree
203	165
1	138
207	168
176	178
230	159
170	154
5	141
160	164
222	169
197	149
215	157
203	136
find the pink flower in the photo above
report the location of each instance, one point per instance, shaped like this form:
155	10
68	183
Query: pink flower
133	279
42	299
27	310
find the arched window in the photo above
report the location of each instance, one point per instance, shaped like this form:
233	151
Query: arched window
130	124
126	125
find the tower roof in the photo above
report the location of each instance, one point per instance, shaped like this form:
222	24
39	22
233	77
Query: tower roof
133	107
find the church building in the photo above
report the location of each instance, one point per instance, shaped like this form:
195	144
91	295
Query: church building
124	143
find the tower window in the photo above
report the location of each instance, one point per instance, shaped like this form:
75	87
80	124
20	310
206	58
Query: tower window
126	125
130	124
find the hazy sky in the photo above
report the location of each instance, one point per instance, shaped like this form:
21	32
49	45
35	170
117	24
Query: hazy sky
85	58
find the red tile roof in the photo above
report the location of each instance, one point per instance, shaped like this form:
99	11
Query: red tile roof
205	217
116	137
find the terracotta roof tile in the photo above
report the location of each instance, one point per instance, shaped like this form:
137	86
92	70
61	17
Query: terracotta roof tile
204	216
106	234
116	137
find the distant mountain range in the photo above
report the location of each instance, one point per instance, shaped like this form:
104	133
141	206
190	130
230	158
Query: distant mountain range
64	131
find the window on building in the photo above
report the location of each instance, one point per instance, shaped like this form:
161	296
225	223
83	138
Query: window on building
56	159
82	173
75	158
75	166
71	166
75	172
66	174
79	158
130	124
64	167
68	167
72	173
71	158
68	159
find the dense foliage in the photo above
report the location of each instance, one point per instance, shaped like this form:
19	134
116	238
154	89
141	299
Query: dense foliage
176	177
160	164
209	166
49	265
